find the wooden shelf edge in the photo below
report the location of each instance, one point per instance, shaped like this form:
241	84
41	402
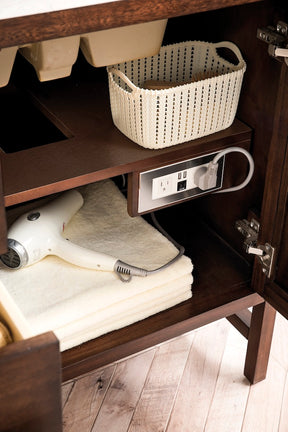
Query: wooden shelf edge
44	26
74	167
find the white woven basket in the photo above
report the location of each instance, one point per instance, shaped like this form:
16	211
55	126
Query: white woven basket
160	118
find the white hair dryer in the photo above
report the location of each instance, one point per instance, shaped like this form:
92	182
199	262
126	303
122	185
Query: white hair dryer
38	233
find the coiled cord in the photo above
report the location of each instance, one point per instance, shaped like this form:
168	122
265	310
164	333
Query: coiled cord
251	167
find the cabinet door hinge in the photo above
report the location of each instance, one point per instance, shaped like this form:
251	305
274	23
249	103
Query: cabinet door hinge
277	40
265	253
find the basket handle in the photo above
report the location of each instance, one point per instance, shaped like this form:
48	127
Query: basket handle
123	77
233	48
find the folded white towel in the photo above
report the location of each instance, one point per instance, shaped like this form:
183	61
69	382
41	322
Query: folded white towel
147	303
53	294
107	301
117	322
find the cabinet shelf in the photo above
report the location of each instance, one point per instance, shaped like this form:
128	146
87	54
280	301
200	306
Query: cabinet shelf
220	289
94	149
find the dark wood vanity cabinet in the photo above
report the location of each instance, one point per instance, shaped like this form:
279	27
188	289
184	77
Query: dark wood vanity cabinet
227	280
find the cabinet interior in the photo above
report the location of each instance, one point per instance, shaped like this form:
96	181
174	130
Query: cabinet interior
74	142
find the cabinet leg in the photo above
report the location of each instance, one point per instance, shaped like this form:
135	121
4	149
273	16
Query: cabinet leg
259	342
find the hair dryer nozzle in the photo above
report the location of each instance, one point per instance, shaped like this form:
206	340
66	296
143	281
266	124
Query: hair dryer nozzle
16	256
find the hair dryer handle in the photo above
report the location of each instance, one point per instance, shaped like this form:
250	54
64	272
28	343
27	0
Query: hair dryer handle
83	257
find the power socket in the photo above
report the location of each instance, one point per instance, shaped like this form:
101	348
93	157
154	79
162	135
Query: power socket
162	186
174	183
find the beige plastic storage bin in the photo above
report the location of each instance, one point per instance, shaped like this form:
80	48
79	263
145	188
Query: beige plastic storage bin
111	46
7	57
194	107
54	58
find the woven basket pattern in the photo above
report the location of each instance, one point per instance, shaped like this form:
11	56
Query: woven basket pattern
160	118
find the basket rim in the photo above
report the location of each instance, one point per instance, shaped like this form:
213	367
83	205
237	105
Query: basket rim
238	69
198	42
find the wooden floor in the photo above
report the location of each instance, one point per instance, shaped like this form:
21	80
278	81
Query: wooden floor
193	383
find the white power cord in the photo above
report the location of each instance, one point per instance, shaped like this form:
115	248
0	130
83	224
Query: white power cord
126	271
206	177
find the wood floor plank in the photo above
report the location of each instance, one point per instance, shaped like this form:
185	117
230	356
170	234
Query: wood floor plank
180	387
279	349
158	395
265	401
232	388
123	394
199	379
283	424
66	389
85	400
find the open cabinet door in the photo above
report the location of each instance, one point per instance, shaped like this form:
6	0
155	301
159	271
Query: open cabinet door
30	385
274	215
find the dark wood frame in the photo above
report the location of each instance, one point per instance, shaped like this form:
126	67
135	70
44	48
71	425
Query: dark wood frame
231	294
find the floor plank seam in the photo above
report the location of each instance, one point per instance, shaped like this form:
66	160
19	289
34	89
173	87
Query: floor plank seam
179	384
283	401
155	349
216	381
105	394
69	394
246	407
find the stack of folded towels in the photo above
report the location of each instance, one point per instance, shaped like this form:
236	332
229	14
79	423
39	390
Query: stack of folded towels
80	304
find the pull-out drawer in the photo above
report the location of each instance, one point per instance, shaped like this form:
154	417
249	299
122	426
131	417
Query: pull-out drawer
30	379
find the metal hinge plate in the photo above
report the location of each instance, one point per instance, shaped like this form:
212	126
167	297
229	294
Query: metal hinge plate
265	253
276	38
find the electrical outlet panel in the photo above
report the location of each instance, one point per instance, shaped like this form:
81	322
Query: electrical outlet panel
173	183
